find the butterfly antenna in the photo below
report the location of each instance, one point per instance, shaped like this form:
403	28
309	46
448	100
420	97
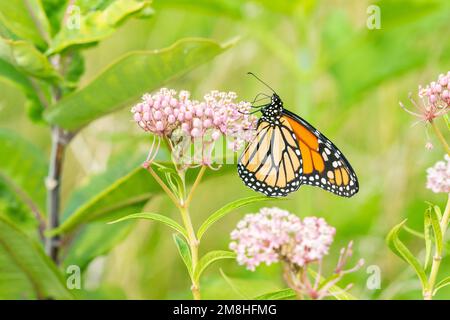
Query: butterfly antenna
251	73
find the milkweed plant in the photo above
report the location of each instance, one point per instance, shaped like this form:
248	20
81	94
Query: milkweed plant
190	129
433	104
277	236
42	48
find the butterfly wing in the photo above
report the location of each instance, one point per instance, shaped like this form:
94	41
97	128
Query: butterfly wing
272	163
323	163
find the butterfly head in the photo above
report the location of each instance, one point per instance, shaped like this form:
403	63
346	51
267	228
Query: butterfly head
276	100
273	109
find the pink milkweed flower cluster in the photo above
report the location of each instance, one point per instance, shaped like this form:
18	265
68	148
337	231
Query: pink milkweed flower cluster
167	113
274	235
438	176
435	99
437	92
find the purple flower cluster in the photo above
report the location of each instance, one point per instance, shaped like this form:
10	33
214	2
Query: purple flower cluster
438	176
438	92
435	99
273	235
217	114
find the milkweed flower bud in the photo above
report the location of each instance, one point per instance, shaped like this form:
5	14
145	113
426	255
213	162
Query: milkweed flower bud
438	176
437	92
435	99
218	114
149	115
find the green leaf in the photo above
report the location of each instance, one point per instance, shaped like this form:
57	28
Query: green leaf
335	290
26	19
283	294
24	168
438	212
55	11
13	209
209	258
173	179
156	217
441	284
184	251
10	74
95	25
421	236
233	286
402	251
427	236
25	271
413	232
141	71
433	216
28	59
247	288
120	186
227	209
97	239
75	69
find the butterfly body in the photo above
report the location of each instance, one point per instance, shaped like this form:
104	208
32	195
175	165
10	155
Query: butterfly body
288	152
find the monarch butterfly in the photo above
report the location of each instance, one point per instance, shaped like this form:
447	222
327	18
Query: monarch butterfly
288	152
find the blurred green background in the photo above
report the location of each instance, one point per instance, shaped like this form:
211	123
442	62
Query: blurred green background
329	68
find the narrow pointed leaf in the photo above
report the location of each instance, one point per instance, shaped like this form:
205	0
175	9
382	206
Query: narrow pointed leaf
233	286
120	186
283	294
25	270
438	212
184	251
227	209
403	252
434	217
427	236
155	217
24	56
441	284
247	288
209	258
421	236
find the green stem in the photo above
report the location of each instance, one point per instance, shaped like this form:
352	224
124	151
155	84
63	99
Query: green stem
183	207
164	186
440	137
195	185
428	294
193	245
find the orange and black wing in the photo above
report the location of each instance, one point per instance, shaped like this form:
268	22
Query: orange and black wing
323	163
272	163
